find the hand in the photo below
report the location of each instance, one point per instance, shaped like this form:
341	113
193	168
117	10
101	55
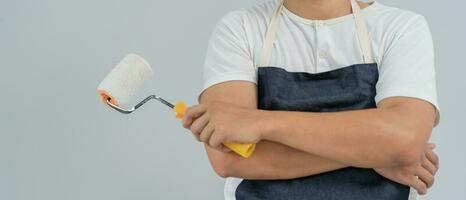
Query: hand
218	123
420	175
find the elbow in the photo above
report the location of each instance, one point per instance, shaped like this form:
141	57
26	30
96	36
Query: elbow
221	169
222	165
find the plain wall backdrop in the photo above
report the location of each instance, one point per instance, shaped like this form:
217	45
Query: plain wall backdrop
58	142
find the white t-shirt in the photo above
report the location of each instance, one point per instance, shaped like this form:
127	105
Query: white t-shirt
401	42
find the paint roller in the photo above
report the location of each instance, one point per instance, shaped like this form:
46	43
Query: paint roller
127	77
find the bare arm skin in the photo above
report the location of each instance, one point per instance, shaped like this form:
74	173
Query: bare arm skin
393	134
230	108
270	160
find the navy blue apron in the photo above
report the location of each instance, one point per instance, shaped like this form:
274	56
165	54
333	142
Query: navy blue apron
349	88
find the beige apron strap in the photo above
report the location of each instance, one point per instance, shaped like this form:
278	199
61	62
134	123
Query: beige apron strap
270	36
363	33
361	28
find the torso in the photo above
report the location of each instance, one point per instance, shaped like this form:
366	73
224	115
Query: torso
322	57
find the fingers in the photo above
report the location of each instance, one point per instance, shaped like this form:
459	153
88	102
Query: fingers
198	126
225	149
192	113
431	146
425	176
432	156
215	141
206	133
419	185
428	165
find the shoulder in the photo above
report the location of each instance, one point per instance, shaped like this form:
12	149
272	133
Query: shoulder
246	17
395	29
395	20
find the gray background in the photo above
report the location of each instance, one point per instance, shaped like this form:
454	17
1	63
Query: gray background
57	141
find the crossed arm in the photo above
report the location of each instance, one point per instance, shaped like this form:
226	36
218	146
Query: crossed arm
270	160
391	138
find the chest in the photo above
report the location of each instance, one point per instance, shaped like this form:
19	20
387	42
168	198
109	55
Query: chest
314	47
349	88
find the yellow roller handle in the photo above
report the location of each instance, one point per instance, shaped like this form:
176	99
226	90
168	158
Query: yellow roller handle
244	150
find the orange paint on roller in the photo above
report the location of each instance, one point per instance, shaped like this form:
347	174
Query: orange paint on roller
123	81
104	95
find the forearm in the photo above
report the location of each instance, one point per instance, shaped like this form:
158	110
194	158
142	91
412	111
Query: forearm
270	161
397	130
365	138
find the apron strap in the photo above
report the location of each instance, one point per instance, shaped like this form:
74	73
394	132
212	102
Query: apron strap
363	33
272	28
270	36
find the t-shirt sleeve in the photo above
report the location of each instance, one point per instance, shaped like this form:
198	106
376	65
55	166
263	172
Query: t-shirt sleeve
228	54
407	67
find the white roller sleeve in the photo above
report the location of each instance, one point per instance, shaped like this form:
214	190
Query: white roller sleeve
125	79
